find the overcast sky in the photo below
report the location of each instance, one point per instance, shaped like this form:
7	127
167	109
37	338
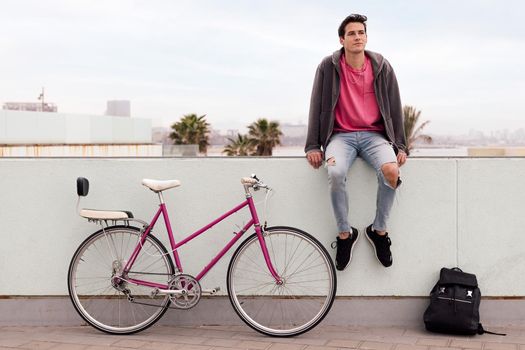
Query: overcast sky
461	62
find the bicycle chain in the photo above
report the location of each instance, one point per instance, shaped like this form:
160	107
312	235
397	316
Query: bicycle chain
148	304
131	298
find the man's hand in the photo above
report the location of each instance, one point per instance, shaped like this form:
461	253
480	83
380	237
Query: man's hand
401	157
315	158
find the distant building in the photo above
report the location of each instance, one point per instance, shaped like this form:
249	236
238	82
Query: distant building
119	108
30	106
161	134
217	138
38	134
293	134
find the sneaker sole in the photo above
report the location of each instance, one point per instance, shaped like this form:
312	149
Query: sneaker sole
375	251
351	252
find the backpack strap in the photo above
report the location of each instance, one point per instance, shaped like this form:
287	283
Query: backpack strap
483	331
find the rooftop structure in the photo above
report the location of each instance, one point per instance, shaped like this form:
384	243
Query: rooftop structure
119	108
34	134
31	106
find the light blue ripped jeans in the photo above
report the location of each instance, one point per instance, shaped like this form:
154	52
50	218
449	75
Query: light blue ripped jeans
340	154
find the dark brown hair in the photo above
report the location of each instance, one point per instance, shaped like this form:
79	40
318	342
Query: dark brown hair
354	17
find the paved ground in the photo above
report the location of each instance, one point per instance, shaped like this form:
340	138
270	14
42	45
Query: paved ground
240	337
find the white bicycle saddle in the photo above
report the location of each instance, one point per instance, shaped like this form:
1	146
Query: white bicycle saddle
160	185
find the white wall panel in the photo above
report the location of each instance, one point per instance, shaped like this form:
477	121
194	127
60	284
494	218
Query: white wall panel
491	235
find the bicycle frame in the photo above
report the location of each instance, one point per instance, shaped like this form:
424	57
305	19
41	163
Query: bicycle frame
254	221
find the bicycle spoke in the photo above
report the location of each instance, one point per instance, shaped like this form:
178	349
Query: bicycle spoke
103	301
302	299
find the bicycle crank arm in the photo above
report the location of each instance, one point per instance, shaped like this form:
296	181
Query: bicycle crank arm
211	291
180	292
170	291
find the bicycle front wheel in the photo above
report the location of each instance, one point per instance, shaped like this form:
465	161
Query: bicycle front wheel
112	304
308	285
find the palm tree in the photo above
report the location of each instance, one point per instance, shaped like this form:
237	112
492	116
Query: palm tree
242	146
265	135
191	130
413	133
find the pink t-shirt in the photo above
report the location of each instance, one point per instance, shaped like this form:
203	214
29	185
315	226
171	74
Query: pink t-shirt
357	108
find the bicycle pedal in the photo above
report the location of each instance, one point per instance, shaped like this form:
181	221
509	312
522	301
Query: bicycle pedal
211	291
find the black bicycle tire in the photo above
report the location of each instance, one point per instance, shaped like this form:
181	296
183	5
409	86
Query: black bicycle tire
328	259
101	231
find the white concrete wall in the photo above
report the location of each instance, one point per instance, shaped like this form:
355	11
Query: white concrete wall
22	127
448	212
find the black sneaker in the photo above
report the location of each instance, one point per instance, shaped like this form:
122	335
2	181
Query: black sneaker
344	250
381	246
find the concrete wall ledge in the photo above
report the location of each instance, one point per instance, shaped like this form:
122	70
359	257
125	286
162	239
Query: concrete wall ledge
465	212
354	311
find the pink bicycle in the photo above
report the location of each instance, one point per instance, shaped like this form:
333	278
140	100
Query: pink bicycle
280	280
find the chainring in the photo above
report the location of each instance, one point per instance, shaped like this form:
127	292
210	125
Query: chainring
190	290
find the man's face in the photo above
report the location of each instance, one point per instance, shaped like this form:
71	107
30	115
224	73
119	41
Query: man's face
354	40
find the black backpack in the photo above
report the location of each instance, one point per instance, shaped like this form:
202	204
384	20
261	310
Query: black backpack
454	304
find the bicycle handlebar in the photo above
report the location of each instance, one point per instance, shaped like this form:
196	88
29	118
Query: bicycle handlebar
254	182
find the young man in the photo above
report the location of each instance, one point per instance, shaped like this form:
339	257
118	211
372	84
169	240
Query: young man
355	110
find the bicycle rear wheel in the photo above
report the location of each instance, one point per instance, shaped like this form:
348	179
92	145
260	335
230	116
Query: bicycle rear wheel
114	305
301	301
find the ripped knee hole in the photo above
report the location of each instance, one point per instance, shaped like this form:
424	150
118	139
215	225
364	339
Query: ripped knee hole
330	161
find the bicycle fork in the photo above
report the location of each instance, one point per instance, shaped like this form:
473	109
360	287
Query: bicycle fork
260	235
